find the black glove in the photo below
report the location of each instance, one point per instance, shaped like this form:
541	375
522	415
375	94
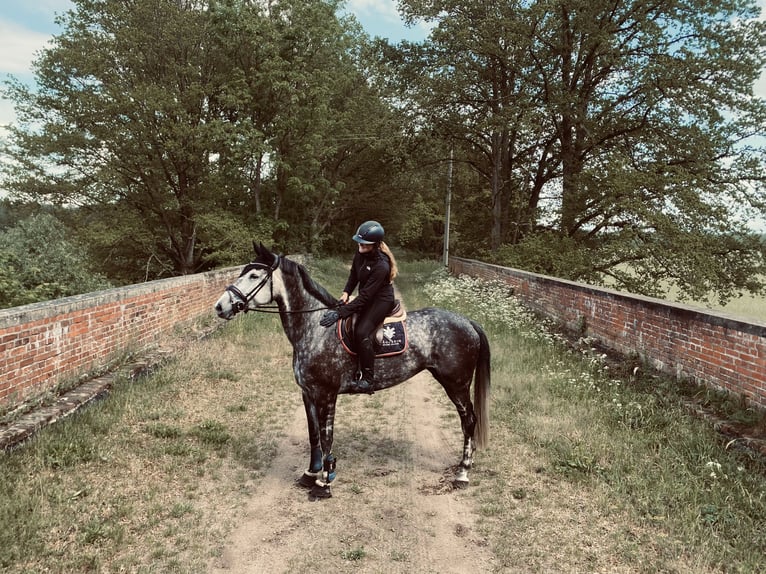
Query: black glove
329	318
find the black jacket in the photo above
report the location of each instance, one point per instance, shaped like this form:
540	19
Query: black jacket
371	272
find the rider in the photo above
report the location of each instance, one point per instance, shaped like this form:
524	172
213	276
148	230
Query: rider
373	270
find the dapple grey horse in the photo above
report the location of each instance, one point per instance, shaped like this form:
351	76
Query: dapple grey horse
453	348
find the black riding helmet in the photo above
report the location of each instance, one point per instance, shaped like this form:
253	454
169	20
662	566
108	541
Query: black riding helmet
369	232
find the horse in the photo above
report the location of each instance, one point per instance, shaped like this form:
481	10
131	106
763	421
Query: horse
453	348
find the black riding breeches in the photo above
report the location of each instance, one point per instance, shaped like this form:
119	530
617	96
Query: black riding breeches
370	318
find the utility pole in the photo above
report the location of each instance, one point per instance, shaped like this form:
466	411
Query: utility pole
448	206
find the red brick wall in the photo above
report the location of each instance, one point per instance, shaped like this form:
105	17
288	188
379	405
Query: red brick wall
712	348
44	343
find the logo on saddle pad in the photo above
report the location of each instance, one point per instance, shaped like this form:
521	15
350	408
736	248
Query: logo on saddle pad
390	338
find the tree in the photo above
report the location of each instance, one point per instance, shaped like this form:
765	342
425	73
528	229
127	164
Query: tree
614	134
476	95
182	128
121	115
310	131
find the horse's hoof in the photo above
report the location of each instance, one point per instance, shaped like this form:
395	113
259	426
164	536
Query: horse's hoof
320	492
461	477
460	484
308	479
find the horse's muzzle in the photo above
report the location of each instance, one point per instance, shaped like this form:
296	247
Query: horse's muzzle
231	309
220	312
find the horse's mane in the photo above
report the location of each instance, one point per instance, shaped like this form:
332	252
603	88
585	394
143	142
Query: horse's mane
308	283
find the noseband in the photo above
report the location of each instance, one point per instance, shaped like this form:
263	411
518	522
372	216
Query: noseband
240	301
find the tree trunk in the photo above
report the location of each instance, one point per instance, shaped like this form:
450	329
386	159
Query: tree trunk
496	237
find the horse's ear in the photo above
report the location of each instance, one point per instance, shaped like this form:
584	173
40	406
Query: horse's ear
261	250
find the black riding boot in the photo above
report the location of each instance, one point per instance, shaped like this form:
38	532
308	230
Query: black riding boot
366	354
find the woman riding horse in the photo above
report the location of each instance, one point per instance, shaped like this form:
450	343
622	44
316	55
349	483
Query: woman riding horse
373	270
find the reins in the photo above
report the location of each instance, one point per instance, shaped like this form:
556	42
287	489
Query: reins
276	310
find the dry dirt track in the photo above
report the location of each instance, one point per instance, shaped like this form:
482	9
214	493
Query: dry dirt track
393	508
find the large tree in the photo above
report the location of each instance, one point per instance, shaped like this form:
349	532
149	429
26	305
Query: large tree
121	115
615	136
311	133
476	95
184	128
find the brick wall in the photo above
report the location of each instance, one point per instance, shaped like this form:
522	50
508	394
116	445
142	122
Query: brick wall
713	348
44	343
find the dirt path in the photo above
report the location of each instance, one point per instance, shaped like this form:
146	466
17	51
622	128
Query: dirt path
393	508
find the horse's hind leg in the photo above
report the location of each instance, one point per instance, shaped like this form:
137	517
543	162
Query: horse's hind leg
459	393
468	423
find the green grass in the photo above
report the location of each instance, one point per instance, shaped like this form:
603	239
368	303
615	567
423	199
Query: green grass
353	554
747	306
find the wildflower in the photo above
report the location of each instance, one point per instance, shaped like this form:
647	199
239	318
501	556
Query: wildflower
713	466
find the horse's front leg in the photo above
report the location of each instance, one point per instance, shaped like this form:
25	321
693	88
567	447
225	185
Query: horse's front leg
326	416
315	462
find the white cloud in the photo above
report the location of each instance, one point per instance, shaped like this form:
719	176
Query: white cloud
383	8
6	114
18	47
381	18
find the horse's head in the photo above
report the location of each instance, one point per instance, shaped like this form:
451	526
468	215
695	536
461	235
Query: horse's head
254	287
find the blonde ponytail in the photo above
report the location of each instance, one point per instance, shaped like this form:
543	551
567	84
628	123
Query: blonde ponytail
394	268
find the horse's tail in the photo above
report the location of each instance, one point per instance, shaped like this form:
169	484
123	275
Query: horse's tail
481	389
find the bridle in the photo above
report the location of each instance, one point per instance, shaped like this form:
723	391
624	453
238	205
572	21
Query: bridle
240	301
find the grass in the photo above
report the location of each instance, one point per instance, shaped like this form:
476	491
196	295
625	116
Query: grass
354	554
747	306
586	460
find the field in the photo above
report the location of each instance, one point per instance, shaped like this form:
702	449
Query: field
191	469
747	306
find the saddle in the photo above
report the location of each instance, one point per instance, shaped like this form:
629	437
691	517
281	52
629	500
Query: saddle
390	336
